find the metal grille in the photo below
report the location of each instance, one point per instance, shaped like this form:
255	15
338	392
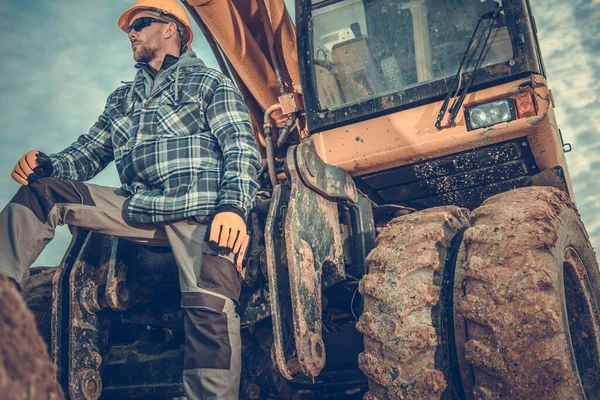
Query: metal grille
464	179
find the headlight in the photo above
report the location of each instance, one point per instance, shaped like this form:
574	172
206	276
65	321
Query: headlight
489	114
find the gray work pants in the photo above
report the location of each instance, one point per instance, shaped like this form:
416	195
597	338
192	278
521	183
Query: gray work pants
209	282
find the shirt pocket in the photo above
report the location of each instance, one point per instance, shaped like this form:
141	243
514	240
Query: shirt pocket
178	117
120	124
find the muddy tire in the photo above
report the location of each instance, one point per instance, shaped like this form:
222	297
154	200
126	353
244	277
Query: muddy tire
405	319
37	293
527	285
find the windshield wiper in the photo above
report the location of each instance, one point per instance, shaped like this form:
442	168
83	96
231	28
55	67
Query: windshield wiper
457	82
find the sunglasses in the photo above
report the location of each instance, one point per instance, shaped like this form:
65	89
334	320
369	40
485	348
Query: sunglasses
143	22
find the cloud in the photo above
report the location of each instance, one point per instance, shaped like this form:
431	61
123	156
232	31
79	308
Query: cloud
53	87
569	36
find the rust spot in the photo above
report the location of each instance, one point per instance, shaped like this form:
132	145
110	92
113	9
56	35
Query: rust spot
317	349
500	68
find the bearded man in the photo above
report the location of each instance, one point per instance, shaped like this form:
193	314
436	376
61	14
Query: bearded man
181	138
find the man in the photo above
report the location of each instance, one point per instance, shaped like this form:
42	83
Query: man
182	141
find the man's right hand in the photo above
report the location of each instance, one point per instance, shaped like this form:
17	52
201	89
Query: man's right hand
32	166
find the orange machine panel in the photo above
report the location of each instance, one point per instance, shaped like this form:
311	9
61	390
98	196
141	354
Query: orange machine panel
410	136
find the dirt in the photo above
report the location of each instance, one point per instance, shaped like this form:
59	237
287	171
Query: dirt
509	293
26	372
404	355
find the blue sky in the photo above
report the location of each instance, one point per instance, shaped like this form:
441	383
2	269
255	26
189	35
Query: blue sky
62	58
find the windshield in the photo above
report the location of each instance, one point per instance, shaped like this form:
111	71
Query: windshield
366	48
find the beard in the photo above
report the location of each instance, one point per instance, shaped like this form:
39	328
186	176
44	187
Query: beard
144	53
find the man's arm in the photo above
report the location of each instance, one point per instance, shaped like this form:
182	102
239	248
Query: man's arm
87	156
229	121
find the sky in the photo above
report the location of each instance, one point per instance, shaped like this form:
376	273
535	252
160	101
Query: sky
62	58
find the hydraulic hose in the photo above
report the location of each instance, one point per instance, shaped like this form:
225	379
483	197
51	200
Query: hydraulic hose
283	134
271	44
267	126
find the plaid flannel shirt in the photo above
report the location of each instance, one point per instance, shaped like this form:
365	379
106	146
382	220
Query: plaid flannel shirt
182	143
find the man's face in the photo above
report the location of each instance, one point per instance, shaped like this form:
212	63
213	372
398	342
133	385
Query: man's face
148	40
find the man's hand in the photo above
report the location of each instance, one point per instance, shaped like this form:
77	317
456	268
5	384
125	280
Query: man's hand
228	233
32	166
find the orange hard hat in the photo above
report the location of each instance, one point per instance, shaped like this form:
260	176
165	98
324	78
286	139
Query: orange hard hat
170	7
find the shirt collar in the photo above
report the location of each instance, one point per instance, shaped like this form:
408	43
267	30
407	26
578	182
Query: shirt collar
168	62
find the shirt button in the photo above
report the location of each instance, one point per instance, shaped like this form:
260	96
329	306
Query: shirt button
146	105
141	131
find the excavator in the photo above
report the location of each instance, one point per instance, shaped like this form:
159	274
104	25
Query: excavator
415	235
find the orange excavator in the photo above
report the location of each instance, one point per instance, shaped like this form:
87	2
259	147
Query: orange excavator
415	235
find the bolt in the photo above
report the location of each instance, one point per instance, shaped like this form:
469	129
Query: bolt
122	292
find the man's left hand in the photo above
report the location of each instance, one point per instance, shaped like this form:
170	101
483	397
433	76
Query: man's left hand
228	233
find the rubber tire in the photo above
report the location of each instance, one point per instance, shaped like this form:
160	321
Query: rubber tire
404	319
511	325
37	293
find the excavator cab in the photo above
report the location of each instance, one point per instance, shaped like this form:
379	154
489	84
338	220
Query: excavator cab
401	93
367	49
361	51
